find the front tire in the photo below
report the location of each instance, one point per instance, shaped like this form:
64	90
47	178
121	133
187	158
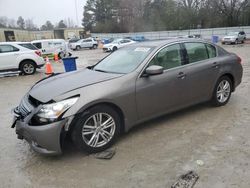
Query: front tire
78	48
222	91
96	129
28	67
114	48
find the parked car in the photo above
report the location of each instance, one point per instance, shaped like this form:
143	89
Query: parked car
234	38
198	36
49	47
21	56
138	38
134	84
90	43
116	44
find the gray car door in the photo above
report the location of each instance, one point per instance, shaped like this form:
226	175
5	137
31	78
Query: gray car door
202	70
158	94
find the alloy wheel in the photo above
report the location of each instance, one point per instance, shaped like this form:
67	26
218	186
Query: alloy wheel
28	68
98	130
223	91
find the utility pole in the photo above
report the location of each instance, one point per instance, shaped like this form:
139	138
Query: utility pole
76	13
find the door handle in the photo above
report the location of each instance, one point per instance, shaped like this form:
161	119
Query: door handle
215	65
181	75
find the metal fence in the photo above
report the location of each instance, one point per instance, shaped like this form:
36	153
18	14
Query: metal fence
205	33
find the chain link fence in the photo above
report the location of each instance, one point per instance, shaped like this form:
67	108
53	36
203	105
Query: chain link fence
157	35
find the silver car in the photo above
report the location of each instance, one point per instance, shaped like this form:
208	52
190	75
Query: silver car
90	43
134	84
234	37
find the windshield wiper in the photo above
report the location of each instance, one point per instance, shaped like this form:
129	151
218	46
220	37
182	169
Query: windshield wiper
99	70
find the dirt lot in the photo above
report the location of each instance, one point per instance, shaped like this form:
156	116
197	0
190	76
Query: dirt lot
153	154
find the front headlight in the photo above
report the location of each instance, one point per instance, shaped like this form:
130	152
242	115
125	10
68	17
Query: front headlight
54	110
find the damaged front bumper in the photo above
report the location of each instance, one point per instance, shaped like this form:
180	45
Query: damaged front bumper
44	139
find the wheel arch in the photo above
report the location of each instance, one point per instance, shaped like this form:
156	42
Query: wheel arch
231	77
110	104
22	61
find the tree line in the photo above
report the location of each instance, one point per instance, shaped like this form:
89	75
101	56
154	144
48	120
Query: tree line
28	24
156	15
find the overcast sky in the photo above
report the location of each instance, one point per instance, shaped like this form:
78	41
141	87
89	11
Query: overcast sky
42	10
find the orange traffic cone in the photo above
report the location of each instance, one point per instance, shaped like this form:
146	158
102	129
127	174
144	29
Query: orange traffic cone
56	57
48	67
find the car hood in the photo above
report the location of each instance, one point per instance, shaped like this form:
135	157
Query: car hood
230	36
49	88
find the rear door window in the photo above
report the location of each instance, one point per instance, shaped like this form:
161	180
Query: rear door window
211	51
28	46
8	48
196	51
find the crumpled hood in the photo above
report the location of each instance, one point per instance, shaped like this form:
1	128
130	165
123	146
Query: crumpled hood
47	89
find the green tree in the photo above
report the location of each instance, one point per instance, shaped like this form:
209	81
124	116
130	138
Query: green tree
61	24
20	22
47	26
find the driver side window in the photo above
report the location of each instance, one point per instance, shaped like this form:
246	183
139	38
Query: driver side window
169	57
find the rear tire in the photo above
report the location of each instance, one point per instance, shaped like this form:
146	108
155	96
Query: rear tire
91	133
28	67
222	91
94	46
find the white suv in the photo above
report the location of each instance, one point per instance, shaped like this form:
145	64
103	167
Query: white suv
84	43
21	56
234	37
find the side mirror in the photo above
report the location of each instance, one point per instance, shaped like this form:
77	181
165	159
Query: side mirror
154	70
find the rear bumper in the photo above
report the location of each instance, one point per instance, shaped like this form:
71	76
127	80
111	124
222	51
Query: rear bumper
43	139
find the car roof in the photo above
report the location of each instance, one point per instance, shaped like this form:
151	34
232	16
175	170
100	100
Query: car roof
158	43
15	42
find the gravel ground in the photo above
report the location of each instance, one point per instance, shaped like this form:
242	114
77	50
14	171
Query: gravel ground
214	142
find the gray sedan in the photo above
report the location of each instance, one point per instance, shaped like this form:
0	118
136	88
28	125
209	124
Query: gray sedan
134	84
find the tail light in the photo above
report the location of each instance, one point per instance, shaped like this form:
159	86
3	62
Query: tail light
239	59
38	53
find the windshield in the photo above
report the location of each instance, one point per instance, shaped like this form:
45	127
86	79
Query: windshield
124	60
116	40
232	33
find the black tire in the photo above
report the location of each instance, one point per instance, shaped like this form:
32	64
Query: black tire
28	67
215	100
114	48
80	121
94	46
78	47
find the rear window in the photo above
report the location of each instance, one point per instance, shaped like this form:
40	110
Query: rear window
28	46
196	51
38	45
